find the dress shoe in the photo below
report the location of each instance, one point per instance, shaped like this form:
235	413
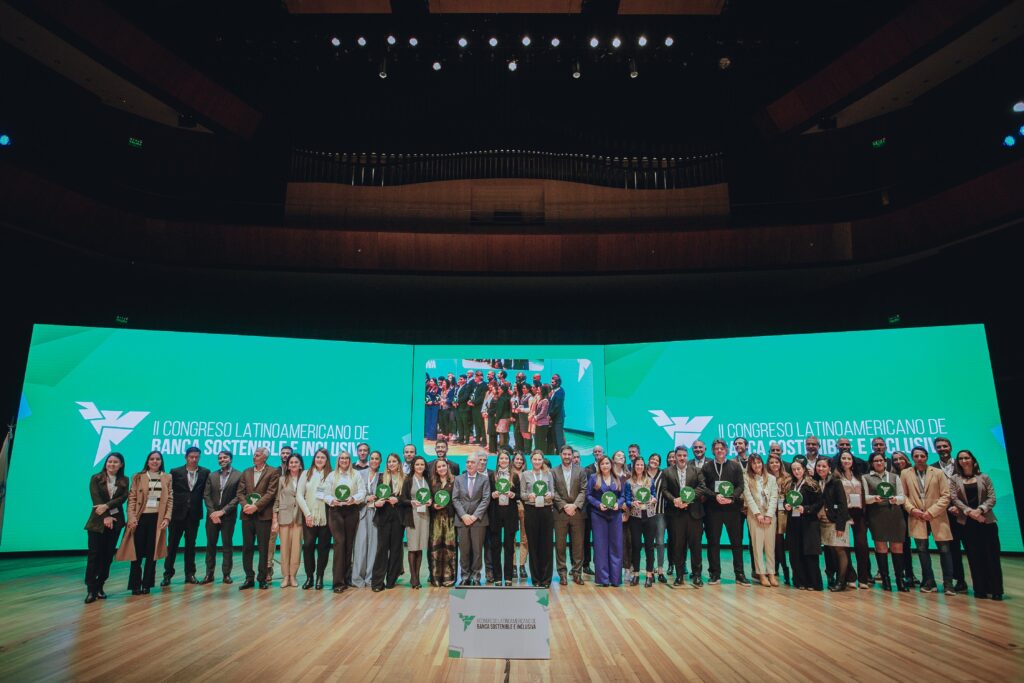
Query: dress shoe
308	584
742	580
960	587
562	579
136	591
508	583
191	578
340	589
247	584
90	598
391	585
839	587
635	581
228	579
714	580
207	579
378	589
166	582
698	582
661	578
264	585
998	597
588	570
577	579
145	591
319	585
522	572
649	582
678	582
671	570
515	572
100	595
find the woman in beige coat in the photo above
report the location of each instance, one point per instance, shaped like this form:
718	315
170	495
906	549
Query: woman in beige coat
927	499
288	520
150	501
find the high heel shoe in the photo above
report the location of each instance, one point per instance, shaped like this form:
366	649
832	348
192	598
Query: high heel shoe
650	581
308	584
773	580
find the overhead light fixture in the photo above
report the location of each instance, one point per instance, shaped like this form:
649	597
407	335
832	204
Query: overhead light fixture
361	41
641	41
413	41
1018	106
1009	141
616	42
392	40
513	65
633	73
576	72
5	140
463	42
383	69
437	66
669	41
724	63
555	42
526	41
594	42
335	41
493	42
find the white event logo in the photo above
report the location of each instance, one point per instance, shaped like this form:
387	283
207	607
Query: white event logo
112	425
683	430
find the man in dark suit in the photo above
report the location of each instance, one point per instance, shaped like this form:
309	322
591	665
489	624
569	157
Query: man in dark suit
476	402
724	510
441	450
556	411
463	411
187	484
220	496
257	516
569	496
471	497
685	520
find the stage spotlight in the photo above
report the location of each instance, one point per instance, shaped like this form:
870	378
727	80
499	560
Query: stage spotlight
392	40
5	140
633	73
437	66
1009	141
383	69
512	66
361	41
724	63
413	41
594	42
493	42
463	42
1018	106
526	41
641	41
669	41
335	41
616	42
555	42
576	73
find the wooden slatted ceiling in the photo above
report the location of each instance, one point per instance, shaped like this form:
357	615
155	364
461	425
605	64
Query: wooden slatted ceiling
654	7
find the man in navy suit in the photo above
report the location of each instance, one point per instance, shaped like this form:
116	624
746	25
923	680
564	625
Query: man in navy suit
187	485
463	411
476	402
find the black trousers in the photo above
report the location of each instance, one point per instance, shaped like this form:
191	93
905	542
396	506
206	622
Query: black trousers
343	522
860	548
102	546
478	425
540	437
190	529
316	545
387	565
731	518
558	432
644	527
463	419
804	567
225	531
982	544
255	536
145	546
686	533
955	554
502	527
539	524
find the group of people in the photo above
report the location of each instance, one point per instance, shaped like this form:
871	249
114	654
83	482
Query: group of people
606	515
493	413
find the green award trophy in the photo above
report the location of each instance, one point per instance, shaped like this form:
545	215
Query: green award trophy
609	500
342	492
442	498
687	494
540	488
383	491
885	490
726	488
503	485
252	498
643	495
423	496
794	498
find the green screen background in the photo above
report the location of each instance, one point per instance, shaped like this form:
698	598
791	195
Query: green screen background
373	393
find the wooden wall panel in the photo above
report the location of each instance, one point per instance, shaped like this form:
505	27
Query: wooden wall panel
671	6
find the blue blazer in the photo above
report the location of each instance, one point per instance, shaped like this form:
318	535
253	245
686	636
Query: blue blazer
594	497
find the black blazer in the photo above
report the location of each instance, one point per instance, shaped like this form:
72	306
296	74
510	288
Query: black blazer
403	510
732	471
510	509
808	521
115	504
833	499
671	486
188	505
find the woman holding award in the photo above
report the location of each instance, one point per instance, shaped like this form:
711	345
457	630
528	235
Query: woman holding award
883	503
641	503
835	519
536	488
108	490
344	496
784	481
974	497
391	521
605	498
519	466
761	496
150	502
365	549
503	519
855	500
416	496
287	520
655	472
316	535
803	530
443	542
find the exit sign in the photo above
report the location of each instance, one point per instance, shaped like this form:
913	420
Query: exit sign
135	143
878	144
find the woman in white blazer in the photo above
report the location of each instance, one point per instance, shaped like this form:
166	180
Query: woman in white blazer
761	498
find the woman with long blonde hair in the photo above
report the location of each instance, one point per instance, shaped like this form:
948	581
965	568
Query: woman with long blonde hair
390	520
784	480
761	495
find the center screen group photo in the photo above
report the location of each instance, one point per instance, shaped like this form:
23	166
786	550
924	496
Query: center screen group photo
834	462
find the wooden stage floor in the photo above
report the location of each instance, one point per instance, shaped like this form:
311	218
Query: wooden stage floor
726	633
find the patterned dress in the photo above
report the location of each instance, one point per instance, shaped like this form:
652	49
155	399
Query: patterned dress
441	558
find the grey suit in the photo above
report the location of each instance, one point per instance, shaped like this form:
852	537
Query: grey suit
572	492
471	538
226	500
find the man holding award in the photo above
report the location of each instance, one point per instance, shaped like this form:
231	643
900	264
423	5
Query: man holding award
681	488
471	496
723	491
256	492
